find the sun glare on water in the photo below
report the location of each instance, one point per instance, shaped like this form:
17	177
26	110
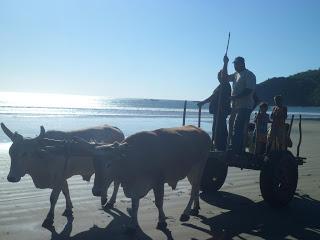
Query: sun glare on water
49	100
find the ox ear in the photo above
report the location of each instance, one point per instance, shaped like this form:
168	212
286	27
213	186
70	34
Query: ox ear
13	136
8	132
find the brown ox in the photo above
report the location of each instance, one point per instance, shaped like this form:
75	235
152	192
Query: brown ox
50	170
148	160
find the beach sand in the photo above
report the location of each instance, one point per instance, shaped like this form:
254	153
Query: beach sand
237	211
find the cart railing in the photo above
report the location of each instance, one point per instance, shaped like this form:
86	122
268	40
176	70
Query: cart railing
301	159
184	115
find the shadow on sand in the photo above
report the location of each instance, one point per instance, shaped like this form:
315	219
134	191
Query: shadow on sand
114	230
243	218
299	220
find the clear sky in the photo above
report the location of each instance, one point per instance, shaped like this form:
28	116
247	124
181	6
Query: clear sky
167	49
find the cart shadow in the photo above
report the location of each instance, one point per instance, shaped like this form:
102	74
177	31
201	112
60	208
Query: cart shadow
226	200
114	230
299	220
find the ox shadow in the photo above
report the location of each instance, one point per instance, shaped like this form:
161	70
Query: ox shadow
300	219
114	230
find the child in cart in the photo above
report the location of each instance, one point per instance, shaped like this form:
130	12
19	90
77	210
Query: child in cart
277	140
261	120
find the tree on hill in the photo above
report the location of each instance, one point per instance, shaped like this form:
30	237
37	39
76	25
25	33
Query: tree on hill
301	89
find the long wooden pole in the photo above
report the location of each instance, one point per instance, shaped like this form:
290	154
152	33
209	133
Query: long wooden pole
228	44
217	123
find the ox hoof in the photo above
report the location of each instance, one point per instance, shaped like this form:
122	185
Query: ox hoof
110	204
184	217
47	223
68	213
194	212
103	201
162	225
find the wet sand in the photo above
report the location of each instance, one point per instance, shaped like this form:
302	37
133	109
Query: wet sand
236	212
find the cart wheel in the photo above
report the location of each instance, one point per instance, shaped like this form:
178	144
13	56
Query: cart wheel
279	178
214	175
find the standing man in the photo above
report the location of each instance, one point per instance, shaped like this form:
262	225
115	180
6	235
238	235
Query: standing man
242	101
220	108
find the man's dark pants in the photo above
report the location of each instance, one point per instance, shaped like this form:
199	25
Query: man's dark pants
222	132
239	130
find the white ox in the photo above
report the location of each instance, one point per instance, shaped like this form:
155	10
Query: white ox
148	160
50	170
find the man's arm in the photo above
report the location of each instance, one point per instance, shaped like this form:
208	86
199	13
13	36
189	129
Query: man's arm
207	100
211	98
224	71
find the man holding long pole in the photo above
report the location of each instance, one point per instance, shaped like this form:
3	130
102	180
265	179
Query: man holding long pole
242	101
242	104
220	108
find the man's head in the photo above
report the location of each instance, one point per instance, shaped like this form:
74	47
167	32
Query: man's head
239	64
221	78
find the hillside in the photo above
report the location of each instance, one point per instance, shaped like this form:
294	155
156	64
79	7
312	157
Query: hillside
301	89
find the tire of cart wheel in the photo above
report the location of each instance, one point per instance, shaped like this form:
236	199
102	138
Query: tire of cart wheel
279	178
214	175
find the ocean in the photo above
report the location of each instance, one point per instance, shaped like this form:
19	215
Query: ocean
26	112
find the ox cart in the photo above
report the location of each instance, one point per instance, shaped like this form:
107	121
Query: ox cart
278	169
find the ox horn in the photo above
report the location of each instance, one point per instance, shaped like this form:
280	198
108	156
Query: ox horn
6	130
42	132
